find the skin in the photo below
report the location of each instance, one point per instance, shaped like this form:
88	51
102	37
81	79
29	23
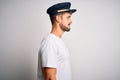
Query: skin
50	73
61	24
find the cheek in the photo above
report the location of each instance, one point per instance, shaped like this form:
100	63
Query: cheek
66	21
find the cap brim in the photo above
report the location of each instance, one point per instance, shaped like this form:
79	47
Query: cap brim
72	10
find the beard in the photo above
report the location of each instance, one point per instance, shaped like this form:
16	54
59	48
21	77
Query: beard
64	28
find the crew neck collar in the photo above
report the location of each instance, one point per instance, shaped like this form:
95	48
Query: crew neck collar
55	36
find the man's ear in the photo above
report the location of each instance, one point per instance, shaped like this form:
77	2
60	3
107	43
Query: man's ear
58	19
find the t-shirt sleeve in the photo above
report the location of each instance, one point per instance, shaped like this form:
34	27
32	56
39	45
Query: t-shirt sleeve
49	54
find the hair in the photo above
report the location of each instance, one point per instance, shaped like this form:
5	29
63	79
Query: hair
53	17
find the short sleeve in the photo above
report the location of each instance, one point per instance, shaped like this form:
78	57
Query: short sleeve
48	54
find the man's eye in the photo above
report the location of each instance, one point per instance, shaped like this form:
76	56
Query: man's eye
68	17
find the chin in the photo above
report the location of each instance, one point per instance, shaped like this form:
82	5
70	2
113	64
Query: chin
67	30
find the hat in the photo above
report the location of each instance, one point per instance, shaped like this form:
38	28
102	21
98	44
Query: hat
60	7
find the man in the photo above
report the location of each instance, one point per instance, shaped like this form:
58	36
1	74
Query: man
53	55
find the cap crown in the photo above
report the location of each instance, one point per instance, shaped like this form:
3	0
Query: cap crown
60	6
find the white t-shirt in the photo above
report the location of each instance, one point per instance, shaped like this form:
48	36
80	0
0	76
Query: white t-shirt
54	54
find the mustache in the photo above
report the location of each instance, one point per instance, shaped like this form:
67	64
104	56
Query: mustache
69	23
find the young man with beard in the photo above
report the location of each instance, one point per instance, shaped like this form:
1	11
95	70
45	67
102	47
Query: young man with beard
53	55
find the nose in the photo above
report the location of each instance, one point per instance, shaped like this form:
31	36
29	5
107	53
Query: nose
70	21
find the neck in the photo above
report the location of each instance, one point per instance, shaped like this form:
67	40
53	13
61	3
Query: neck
56	30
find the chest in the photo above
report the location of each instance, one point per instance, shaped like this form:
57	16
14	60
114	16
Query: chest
63	53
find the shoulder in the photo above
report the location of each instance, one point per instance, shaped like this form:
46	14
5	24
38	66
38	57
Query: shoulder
48	44
49	41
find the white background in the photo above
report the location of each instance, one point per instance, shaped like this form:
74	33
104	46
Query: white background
94	39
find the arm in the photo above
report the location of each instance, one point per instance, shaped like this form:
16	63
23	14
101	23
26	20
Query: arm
50	73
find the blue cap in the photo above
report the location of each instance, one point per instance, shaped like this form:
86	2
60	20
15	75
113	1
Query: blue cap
60	7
